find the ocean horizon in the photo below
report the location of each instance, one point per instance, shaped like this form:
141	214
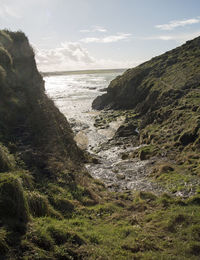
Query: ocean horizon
78	72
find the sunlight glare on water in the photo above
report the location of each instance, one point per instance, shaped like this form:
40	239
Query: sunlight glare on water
73	95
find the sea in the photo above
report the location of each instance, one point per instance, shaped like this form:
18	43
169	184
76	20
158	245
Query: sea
73	93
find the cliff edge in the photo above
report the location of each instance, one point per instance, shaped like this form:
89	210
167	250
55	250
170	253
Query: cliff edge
31	125
155	83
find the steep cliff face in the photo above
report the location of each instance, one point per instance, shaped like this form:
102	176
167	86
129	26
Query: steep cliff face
155	83
30	123
37	152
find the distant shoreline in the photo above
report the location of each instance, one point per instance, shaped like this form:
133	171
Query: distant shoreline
60	73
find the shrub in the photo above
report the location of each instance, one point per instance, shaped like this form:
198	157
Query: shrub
13	205
147	152
38	204
196	232
3	243
59	234
2	75
7	161
63	205
195	200
26	178
5	58
17	36
165	200
175	220
5	39
194	248
188	137
147	196
46	232
42	238
165	168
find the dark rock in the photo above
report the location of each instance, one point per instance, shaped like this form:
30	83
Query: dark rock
95	160
125	156
188	137
121	176
142	155
126	130
103	89
166	168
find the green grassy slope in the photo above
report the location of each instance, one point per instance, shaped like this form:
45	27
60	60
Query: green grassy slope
157	82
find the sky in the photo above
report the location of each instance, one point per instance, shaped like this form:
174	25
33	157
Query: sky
101	34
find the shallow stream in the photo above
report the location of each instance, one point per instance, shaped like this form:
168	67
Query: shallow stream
73	95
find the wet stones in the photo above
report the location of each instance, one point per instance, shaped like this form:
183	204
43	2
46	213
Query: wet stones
78	126
142	155
120	176
126	130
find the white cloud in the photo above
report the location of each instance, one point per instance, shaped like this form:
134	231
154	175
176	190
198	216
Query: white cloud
8	10
181	38
179	23
18	8
107	39
158	37
100	29
94	29
115	64
72	56
85	31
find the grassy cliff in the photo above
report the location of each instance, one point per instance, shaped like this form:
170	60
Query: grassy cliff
41	167
162	97
30	123
165	78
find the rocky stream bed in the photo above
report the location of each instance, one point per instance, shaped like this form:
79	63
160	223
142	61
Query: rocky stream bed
111	137
110	164
110	143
